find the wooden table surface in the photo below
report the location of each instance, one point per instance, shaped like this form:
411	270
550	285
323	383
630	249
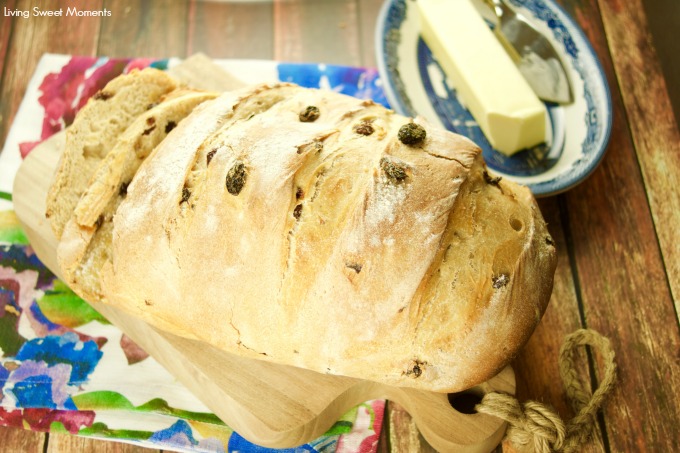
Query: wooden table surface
618	233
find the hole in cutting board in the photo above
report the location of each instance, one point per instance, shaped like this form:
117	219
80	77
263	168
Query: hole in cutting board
465	402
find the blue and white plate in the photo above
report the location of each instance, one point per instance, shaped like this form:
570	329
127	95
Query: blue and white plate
577	133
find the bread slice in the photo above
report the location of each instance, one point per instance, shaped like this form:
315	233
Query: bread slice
94	132
86	239
309	228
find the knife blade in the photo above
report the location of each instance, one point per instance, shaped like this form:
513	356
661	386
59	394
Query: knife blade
533	53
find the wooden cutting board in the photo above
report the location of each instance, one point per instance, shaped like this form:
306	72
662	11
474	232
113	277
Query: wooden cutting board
271	405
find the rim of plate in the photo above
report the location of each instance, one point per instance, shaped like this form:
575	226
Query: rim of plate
563	181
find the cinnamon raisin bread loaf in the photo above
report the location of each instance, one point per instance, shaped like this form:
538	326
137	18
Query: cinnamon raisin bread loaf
313	229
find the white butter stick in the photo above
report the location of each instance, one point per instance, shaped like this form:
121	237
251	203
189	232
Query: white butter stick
485	78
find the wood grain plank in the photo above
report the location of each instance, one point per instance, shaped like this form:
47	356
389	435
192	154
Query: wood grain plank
536	367
402	431
384	440
317	31
62	443
6	25
626	298
652	122
37	35
14	440
663	17
139	28
623	284
232	29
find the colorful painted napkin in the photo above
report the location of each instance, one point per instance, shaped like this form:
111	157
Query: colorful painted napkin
63	367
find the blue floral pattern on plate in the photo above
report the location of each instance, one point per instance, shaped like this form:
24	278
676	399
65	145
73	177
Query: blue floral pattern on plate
578	133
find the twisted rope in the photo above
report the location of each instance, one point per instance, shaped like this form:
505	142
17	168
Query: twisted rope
537	427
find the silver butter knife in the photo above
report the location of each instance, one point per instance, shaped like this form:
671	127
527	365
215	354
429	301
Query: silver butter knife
533	54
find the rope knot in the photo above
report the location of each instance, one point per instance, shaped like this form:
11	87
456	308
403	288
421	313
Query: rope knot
532	426
536	427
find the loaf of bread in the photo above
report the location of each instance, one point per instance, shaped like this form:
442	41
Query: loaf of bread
313	229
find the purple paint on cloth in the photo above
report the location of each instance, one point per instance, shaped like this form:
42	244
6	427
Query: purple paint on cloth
41	385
